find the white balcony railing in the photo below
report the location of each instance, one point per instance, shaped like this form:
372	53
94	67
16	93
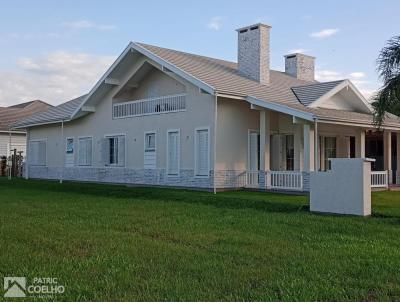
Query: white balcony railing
252	179
164	104
285	180
379	179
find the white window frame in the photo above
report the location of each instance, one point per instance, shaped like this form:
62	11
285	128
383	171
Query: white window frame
114	135
155	140
91	161
29	147
179	152
196	175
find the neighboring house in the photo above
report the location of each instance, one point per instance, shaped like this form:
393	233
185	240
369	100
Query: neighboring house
17	137
164	117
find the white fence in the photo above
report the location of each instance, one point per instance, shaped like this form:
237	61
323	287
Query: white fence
164	104
285	180
379	179
278	180
252	179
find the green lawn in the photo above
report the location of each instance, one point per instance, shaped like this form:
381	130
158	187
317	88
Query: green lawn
113	243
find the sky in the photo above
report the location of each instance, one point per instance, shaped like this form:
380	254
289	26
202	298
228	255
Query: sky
57	50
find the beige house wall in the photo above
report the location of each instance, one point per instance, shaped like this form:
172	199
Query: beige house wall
199	113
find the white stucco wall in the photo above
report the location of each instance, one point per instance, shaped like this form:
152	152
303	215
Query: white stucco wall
346	189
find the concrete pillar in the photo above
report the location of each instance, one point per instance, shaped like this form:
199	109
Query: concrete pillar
398	157
387	153
265	148
322	152
308	153
298	163
360	143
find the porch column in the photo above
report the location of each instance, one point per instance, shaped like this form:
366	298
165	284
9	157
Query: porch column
387	153
308	137
264	146
397	157
298	163
360	143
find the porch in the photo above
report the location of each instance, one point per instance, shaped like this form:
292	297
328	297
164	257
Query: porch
282	153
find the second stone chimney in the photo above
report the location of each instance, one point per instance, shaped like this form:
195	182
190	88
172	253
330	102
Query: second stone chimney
253	52
300	66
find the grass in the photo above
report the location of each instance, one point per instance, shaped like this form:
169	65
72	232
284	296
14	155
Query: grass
113	243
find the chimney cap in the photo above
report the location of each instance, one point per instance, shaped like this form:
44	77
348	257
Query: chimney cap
245	28
298	54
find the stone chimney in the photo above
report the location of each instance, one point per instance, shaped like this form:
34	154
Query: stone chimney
300	66
253	52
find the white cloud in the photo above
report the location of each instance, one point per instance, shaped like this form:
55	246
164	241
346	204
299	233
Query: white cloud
325	33
85	24
215	23
54	78
357	75
357	78
327	75
297	50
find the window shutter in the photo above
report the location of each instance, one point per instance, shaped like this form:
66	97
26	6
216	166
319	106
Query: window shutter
89	151
121	150
42	154
202	152
173	153
81	151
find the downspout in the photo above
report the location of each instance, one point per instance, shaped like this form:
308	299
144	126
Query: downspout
315	144
10	155
62	150
215	140
26	155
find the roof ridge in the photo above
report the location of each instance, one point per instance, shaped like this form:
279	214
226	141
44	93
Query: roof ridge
187	53
319	83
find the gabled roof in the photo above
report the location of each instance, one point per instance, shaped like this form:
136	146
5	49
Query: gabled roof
214	76
307	94
62	112
11	114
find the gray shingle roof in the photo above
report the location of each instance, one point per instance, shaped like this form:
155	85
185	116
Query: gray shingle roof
308	94
63	111
224	77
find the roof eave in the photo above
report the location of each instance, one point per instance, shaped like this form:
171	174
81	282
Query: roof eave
281	108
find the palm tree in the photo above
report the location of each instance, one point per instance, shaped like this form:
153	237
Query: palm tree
388	97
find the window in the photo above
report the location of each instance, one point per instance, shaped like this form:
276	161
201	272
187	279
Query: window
69	150
173	146
70	146
37	153
150	142
202	152
113	159
114	150
289	152
330	150
85	151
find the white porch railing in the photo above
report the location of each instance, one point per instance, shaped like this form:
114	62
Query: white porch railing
252	180
164	104
285	180
379	179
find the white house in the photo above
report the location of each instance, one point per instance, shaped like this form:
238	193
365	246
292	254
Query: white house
165	117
